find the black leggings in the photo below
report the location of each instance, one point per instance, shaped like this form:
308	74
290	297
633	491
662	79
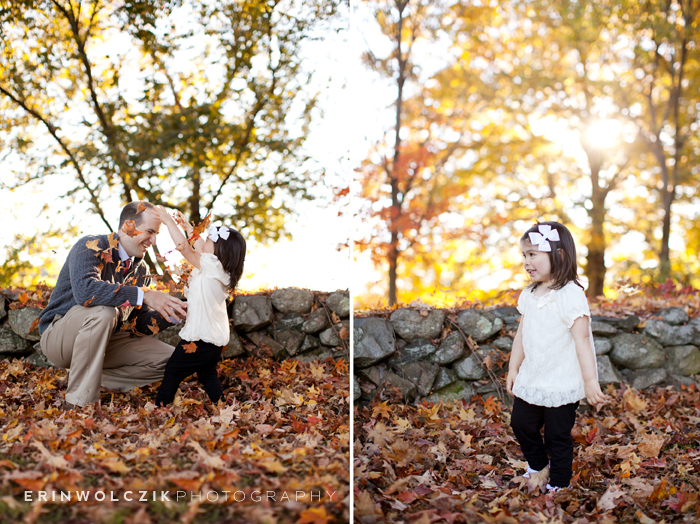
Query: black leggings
558	446
181	365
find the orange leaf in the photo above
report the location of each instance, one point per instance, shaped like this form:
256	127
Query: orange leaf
200	228
141	208
107	255
89	301
31	484
113	241
190	348
23	298
187	482
92	244
314	516
130	228
154	326
34	324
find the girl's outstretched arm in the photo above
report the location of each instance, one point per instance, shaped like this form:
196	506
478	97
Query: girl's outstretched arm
179	238
517	355
584	352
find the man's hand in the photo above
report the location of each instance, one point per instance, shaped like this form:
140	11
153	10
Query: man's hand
163	215
164	304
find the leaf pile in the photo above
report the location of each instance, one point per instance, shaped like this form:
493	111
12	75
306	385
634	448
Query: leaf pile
636	460
284	428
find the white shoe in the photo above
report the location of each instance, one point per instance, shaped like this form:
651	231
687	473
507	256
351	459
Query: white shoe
529	472
554	489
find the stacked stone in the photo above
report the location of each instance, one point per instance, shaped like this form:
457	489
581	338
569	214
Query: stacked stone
425	356
290	323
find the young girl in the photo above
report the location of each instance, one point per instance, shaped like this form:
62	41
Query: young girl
218	265
552	364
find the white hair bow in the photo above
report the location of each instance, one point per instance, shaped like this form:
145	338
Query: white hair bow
215	233
541	239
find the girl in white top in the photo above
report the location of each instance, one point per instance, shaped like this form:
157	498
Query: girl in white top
552	364
218	265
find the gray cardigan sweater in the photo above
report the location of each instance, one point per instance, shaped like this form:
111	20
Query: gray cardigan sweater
82	280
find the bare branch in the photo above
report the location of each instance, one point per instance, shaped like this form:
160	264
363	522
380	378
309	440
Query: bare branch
73	160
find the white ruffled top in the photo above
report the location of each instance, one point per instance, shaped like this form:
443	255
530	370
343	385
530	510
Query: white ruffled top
550	374
207	318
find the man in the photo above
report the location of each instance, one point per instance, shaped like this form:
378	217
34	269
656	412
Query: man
98	291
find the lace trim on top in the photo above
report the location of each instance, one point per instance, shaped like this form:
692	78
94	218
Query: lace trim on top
548	399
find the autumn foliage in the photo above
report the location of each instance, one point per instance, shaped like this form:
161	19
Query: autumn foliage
284	428
634	461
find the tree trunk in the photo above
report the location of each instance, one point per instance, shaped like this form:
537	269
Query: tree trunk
595	260
393	254
666	202
195	217
664	255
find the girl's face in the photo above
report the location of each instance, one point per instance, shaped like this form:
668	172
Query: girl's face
208	246
537	263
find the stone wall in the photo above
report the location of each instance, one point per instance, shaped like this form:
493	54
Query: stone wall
444	354
286	323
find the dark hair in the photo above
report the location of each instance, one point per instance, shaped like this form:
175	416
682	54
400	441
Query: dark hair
131	212
231	254
563	267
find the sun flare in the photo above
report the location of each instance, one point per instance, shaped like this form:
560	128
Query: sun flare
603	134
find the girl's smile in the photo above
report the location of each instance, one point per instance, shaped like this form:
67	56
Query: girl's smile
537	263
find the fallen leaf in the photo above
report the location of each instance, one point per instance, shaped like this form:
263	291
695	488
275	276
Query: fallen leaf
314	516
608	501
51	459
212	461
273	465
538	481
190	348
650	445
264	429
116	465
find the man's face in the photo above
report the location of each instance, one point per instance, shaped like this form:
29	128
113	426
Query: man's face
148	228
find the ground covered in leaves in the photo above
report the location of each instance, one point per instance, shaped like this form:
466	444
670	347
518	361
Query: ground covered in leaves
276	452
635	460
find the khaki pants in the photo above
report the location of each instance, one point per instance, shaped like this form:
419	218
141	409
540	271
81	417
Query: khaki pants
83	340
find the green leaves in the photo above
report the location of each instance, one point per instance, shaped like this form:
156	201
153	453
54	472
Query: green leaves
194	116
